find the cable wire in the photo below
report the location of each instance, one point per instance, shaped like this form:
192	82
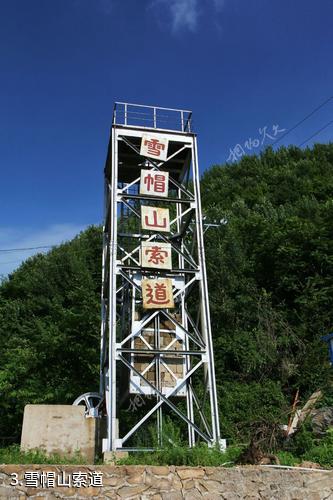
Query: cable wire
24	249
316	133
303	120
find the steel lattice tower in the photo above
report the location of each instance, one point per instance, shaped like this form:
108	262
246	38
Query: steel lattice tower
156	340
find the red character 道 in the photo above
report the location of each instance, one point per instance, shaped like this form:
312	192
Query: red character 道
157	182
154	146
157	255
157	295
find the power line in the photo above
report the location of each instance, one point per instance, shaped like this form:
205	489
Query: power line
303	120
24	249
316	133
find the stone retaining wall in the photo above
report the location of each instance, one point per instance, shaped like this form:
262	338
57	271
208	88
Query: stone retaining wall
169	483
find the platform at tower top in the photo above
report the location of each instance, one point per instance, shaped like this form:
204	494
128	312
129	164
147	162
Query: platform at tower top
152	117
132	121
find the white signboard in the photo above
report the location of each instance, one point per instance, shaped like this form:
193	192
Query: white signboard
154	146
154	182
157	293
155	219
156	255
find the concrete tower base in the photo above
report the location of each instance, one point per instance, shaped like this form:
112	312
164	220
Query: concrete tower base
62	429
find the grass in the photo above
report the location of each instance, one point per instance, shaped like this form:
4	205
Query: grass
171	455
176	452
13	455
304	448
182	455
287	458
322	451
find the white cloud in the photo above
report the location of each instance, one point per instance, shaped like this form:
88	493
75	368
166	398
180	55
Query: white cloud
28	238
184	13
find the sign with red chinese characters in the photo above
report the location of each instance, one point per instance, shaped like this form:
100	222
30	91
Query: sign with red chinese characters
155	219
156	255
154	146
154	182
157	293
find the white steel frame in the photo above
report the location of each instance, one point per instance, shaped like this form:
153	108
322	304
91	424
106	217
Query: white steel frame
121	276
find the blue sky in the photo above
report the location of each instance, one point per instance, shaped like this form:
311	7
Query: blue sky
240	65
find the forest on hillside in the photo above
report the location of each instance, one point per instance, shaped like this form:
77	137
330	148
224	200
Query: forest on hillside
270	271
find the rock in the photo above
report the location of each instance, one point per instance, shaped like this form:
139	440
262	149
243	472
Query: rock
60	491
109	494
190	473
162	484
309	465
322	419
131	491
176	483
172	496
136	478
268	459
113	481
134	470
6	492
192	494
319	482
160	470
189	484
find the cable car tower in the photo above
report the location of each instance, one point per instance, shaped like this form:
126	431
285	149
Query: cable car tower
156	341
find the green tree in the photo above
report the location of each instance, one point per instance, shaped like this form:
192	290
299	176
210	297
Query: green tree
49	324
270	270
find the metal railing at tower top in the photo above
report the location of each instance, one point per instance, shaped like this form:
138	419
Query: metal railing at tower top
152	117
